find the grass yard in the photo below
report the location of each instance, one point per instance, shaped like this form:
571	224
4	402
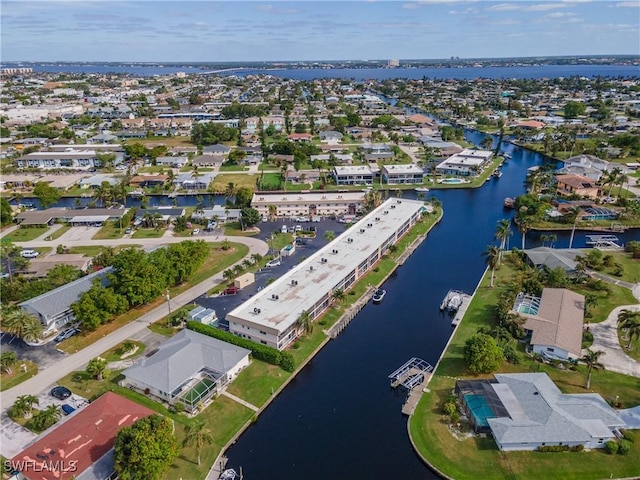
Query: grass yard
234	229
271	181
24	234
232	167
118	353
18	374
93	250
464	458
608	300
257	382
238	179
176	141
59	232
148	233
630	266
109	231
217	261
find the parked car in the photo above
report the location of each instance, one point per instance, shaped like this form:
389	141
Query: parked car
230	290
264	218
298	228
29	253
283	229
61	393
302	219
68	333
128	231
196	231
301	241
274	263
67	409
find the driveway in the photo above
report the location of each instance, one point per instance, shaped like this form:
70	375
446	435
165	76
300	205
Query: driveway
13	437
605	338
77	233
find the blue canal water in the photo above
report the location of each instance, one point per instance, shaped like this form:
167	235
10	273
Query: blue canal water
339	418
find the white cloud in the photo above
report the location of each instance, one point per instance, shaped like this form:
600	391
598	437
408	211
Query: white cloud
526	7
628	5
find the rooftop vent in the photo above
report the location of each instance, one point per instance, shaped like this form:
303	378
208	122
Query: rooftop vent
369	225
275	297
349	240
385	212
362	230
398	201
294	282
377	219
256	310
311	268
334	251
393	206
323	260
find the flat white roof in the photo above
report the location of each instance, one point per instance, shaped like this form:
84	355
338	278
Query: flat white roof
353	169
267	198
468	157
313	284
409	168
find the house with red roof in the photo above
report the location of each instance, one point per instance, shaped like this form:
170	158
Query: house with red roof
81	446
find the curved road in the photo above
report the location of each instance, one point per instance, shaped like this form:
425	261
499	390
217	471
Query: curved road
77	361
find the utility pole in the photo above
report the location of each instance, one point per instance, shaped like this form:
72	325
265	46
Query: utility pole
168	297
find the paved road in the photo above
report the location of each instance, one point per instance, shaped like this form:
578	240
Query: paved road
42	381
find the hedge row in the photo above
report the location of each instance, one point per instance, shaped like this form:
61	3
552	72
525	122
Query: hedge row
259	351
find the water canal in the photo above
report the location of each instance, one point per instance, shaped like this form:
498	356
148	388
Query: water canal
339	418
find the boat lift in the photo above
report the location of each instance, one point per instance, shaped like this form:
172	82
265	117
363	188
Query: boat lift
604	242
411	374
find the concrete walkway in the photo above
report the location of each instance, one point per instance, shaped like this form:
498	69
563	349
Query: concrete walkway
605	338
240	401
45	378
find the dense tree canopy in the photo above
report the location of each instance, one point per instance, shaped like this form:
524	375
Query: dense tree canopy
146	449
6	215
47	194
98	306
573	109
212	133
482	354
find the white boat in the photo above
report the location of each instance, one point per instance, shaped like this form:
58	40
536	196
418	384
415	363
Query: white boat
452	301
506	156
228	474
496	173
421	189
379	295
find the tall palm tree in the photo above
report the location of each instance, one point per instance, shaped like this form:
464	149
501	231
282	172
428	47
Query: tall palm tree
487	142
273	211
591	360
256	257
198	435
630	321
503	232
492	259
524	224
329	235
305	322
338	295
23	325
621	180
23	405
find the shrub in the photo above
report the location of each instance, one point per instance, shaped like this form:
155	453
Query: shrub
554	448
260	352
624	447
577	448
628	435
286	362
510	354
611	447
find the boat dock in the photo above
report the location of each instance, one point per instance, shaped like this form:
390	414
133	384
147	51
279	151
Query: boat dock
462	309
413	376
452	301
604	242
350	313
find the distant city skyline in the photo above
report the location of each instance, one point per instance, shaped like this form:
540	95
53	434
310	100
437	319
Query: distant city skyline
203	31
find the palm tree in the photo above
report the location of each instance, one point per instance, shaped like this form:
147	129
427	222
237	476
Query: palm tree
8	360
621	180
47	417
591	359
23	325
23	405
273	211
338	294
256	257
198	435
503	232
487	142
524	224
246	263
329	235
305	322
492	259
96	367
630	321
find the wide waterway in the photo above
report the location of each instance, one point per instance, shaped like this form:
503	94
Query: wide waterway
339	418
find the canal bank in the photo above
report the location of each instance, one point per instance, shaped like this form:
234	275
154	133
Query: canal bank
406	246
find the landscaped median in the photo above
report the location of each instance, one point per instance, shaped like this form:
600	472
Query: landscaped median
462	455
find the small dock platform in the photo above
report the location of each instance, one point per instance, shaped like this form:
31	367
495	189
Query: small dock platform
603	242
413	376
466	300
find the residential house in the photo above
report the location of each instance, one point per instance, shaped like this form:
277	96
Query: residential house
144	181
38	267
95	181
552	258
86	160
402	174
340	157
103	137
189	181
526	411
572	184
330	137
219	213
553	322
217	149
161	214
173	162
300	137
53	308
188	368
208	160
81	446
466	163
353	175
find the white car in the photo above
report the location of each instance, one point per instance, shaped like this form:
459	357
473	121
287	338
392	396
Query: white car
264	218
29	253
274	263
196	231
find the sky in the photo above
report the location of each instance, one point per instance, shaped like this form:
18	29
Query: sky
273	30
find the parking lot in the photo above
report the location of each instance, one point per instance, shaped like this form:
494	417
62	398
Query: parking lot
225	303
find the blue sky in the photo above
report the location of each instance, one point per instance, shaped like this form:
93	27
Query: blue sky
76	30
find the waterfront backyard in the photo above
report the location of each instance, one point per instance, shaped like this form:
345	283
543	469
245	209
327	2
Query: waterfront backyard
461	455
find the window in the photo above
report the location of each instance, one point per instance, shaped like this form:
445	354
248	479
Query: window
549	349
263	342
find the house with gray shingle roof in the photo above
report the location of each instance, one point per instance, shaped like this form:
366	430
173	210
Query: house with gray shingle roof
533	412
53	308
189	368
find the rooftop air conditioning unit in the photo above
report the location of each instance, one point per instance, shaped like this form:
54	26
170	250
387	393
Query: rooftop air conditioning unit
349	240
369	225
256	310
275	297
399	201
311	268
385	212
362	230
294	282
393	206
377	219
334	251
323	260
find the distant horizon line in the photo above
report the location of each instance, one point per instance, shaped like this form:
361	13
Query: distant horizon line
447	59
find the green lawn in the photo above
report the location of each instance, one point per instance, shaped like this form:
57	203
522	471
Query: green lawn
280	240
234	229
271	181
93	250
18	375
59	232
117	353
24	234
148	233
630	266
463	459
238	179
257	382
110	230
232	168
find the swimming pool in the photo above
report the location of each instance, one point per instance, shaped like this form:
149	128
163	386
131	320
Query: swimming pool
529	309
453	181
480	409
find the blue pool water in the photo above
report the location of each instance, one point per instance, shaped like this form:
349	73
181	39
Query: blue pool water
479	409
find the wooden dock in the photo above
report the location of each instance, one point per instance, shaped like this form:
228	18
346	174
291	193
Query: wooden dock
414	376
350	313
415	394
466	300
